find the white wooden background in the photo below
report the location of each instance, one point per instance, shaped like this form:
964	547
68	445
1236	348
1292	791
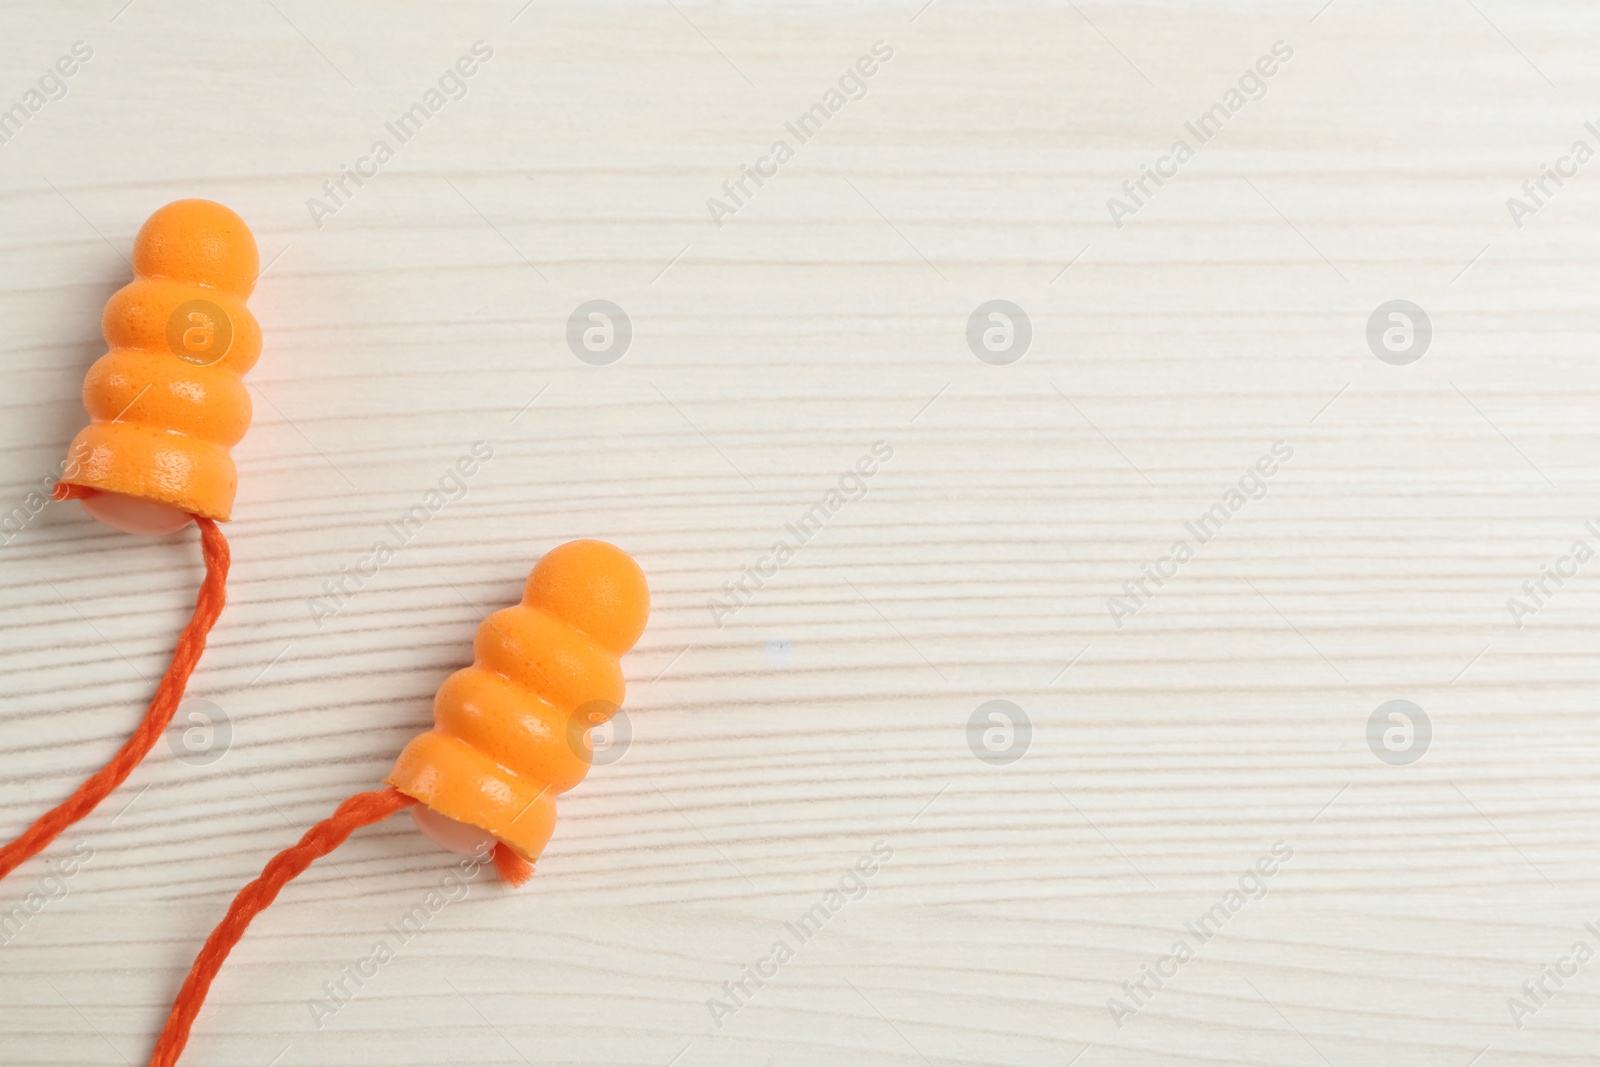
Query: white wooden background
830	713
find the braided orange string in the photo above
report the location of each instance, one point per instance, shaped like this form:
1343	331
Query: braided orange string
191	643
363	809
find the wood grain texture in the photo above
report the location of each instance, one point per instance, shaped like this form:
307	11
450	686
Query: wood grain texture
830	712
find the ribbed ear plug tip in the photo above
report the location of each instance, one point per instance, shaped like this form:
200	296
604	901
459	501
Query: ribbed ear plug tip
167	400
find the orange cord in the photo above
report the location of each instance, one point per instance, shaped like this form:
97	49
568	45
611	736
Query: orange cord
363	809
207	606
513	870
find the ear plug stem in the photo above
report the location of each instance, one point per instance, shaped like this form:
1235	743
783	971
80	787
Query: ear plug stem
135	515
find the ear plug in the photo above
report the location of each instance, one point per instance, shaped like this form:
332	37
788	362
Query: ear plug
168	400
510	733
165	404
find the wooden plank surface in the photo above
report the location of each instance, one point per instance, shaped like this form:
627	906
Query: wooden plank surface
1178	734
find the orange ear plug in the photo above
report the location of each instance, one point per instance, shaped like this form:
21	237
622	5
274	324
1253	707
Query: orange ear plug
165	404
167	401
511	731
509	734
